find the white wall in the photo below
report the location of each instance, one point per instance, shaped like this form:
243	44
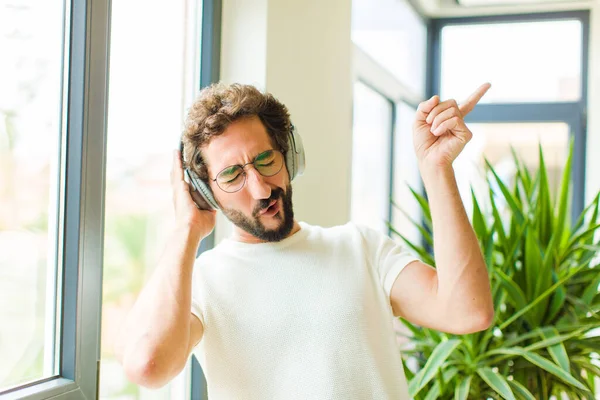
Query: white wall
309	69
300	50
244	42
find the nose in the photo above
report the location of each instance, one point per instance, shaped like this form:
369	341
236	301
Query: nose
256	185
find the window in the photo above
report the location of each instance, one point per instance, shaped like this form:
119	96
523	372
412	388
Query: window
31	39
493	141
372	127
537	65
394	35
406	175
525	61
52	132
150	90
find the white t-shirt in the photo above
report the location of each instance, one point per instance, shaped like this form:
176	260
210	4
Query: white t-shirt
305	318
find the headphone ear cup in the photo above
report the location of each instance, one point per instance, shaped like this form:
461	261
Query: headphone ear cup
295	160
202	194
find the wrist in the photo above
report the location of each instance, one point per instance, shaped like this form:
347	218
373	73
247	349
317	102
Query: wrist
191	230
431	172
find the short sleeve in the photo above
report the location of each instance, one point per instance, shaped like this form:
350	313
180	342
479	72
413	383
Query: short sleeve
387	257
197	293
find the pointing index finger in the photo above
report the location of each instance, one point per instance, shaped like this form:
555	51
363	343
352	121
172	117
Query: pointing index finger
473	99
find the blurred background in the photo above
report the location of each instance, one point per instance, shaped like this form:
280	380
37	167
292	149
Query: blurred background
352	73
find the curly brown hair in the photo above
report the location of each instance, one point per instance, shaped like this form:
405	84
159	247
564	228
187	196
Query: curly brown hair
219	105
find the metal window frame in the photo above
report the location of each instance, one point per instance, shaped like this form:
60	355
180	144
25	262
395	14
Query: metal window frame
210	65
392	120
574	114
87	52
420	186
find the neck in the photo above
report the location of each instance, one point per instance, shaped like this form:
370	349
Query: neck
240	235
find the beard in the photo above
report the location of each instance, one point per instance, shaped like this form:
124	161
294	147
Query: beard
256	228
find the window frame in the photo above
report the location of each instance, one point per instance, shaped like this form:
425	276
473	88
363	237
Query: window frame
574	114
210	65
391	135
419	188
83	127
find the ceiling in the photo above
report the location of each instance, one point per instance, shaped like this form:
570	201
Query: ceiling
496	3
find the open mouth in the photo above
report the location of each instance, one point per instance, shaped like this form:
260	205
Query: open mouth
271	210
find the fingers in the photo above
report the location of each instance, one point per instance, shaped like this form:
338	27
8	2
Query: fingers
456	126
448	107
177	168
178	182
447	125
443	116
430	109
468	105
436	115
425	108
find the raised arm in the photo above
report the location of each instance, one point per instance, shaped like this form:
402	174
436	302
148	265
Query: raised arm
455	297
160	331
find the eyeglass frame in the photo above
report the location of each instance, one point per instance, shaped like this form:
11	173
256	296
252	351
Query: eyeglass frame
243	167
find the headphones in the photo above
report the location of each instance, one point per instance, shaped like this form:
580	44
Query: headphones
202	194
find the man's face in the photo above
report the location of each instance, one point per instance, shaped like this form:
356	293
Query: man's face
263	206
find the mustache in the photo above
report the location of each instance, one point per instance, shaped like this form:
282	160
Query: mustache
264	203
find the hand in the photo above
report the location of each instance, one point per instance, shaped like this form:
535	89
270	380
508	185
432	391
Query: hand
439	131
186	211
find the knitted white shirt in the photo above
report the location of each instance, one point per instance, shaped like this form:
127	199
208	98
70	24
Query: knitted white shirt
305	318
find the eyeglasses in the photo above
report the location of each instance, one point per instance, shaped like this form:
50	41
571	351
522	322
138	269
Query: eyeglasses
233	178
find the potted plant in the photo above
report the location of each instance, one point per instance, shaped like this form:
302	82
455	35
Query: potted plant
544	275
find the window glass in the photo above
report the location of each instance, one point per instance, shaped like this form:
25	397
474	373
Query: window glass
405	176
494	140
394	35
525	62
149	85
370	158
31	43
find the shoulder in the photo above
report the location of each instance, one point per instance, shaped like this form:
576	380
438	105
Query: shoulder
343	232
206	262
350	234
378	244
207	256
362	232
